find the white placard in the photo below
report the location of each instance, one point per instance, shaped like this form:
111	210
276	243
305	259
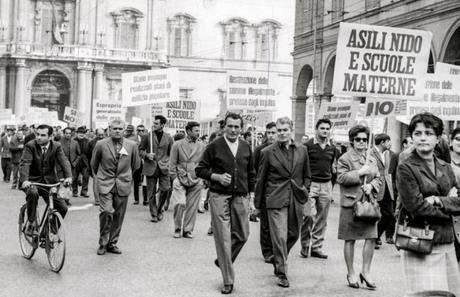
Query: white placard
178	113
379	61
73	117
107	111
444	68
150	87
341	114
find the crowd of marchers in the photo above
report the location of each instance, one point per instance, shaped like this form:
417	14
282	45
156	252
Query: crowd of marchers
287	185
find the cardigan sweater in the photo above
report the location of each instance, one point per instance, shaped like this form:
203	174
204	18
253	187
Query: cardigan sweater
218	158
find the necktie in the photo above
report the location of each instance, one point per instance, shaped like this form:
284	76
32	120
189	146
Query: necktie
44	150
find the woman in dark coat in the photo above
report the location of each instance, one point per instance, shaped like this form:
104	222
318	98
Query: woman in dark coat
351	172
429	197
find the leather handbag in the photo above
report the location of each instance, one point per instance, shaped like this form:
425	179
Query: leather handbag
417	240
367	209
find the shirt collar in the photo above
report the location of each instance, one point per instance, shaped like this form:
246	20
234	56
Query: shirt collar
189	140
47	145
229	142
315	141
291	143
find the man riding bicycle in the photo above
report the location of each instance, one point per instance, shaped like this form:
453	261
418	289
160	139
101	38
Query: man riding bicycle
38	164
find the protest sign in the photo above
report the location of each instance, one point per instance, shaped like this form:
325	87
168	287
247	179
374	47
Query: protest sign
441	97
444	68
135	121
107	111
178	113
384	107
380	61
249	90
149	87
73	117
7	117
342	115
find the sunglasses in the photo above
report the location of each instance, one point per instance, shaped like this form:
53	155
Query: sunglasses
359	139
140	130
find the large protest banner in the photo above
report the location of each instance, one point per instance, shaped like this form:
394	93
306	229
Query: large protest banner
249	90
444	68
341	114
107	111
150	87
441	97
178	112
379	61
7	117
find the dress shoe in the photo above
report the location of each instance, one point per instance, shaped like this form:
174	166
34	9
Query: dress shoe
177	233
318	254
216	262
269	259
283	282
369	284
390	241
84	195
378	241
377	247
187	234
154	220
160	216
101	250
136	202
114	250
145	203
227	289
352	284
31	229
200	210
210	231
96	204
75	195
67	202
253	218
304	252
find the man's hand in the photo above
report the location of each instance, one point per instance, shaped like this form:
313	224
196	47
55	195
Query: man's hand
367	188
433	200
453	192
67	181
224	179
26	184
150	156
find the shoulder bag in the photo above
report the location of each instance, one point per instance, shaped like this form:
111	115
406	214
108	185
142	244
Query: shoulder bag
416	240
367	209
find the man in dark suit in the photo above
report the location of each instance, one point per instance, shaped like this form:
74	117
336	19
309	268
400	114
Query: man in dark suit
72	152
16	148
265	240
38	164
385	197
6	154
283	183
227	164
82	167
140	129
113	162
100	134
156	166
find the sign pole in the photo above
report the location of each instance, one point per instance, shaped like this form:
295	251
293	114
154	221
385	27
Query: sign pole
151	130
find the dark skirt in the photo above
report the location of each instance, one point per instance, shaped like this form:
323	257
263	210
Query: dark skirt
353	229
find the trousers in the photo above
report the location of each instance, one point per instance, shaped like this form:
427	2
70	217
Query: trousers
186	201
112	209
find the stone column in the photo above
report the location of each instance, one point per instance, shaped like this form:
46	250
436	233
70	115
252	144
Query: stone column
98	81
3	83
298	115
20	104
82	91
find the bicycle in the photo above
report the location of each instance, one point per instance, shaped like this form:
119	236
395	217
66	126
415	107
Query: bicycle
50	235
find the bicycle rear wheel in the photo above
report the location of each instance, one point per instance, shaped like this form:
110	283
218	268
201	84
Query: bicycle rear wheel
28	244
55	241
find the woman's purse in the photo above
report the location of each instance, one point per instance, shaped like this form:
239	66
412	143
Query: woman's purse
367	209
416	240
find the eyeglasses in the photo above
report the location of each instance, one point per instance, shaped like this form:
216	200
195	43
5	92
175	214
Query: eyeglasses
140	130
359	139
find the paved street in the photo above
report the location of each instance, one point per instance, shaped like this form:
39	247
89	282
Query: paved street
153	263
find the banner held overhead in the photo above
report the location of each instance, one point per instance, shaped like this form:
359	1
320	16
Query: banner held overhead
150	87
379	61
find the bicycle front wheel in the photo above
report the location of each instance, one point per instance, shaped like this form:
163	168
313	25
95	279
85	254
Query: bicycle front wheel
28	244
55	241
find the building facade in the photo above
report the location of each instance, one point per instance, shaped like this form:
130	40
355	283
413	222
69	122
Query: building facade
58	53
316	30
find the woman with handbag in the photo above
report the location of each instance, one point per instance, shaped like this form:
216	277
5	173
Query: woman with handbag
359	179
428	193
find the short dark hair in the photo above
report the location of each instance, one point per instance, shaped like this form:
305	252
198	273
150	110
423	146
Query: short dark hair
246	134
323	121
140	126
270	125
221	124
67	128
355	130
454	133
427	119
44	126
233	116
191	125
382	137
178	136
162	119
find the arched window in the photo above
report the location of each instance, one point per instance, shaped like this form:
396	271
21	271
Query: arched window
235	38
127	23
267	40
180	29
